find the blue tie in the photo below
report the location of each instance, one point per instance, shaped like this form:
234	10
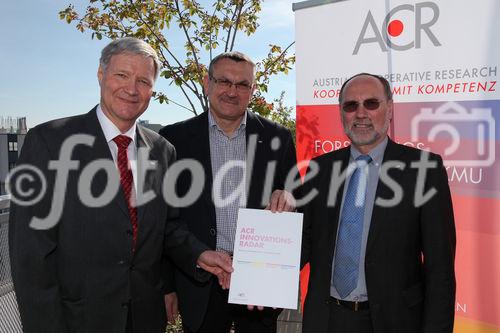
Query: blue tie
348	246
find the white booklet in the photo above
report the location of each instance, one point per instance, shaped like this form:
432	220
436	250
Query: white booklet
266	259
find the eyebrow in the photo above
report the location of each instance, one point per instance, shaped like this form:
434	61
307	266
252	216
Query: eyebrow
237	82
355	100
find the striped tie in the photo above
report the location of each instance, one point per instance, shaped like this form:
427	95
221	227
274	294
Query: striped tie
126	180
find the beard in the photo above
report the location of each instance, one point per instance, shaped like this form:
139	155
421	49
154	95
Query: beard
367	138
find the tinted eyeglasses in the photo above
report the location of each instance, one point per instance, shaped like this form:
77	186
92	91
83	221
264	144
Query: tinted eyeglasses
369	104
226	84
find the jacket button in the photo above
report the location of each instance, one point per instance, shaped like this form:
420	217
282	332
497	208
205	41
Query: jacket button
129	232
212	231
121	262
124	304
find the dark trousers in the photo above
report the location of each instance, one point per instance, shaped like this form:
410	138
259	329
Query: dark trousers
346	320
130	327
221	315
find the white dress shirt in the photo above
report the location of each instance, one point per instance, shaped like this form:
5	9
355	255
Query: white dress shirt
110	132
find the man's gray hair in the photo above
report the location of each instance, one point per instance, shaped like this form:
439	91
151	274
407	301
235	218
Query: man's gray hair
234	55
129	45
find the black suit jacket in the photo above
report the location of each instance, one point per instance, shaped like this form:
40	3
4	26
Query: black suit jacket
409	262
191	140
81	275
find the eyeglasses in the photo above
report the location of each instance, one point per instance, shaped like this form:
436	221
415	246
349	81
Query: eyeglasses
242	87
369	104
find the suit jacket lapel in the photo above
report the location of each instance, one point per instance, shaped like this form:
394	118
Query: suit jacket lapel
100	150
379	214
148	175
199	146
334	212
256	163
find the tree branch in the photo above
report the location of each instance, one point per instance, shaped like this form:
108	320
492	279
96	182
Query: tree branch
169	100
236	23
211	32
229	32
139	15
193	88
188	38
277	58
193	109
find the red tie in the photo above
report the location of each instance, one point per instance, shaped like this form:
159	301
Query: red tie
126	180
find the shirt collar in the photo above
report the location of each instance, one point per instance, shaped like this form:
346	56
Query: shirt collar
377	153
213	123
110	130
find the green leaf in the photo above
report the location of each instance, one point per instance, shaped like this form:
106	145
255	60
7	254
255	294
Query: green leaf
207	28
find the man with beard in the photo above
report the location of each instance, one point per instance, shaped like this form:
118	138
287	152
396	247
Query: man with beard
379	235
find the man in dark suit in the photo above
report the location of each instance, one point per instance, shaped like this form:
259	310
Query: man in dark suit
86	255
228	133
381	247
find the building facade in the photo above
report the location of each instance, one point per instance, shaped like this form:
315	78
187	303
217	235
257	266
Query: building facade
12	134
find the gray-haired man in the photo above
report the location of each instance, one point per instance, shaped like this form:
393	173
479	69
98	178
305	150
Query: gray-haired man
93	265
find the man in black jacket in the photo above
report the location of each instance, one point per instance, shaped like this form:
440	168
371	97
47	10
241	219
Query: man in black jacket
86	255
381	251
246	160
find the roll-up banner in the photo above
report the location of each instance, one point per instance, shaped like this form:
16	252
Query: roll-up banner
442	59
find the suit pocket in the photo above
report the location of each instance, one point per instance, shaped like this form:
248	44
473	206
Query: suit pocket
414	295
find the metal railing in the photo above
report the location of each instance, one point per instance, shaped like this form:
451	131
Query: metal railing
9	313
290	321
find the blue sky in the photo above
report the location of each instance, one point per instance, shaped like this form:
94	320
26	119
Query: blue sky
49	68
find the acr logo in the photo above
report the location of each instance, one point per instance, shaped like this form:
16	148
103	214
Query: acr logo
394	28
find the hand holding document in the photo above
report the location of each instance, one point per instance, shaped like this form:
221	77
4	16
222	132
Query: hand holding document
266	259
